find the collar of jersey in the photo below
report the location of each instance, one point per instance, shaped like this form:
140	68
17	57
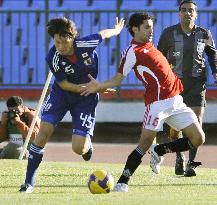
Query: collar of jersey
147	45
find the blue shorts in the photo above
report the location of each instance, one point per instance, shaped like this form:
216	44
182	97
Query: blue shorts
82	110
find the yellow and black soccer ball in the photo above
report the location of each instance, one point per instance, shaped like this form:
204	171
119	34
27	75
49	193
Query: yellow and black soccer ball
100	182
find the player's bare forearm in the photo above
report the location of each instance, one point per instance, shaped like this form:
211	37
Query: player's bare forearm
71	87
108	33
93	86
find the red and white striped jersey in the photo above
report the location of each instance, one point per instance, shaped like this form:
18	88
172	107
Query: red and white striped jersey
152	68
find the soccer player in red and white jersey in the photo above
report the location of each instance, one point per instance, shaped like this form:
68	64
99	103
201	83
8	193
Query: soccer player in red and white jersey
161	96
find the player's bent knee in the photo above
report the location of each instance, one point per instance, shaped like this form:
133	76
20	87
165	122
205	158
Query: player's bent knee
199	140
78	149
203	138
79	144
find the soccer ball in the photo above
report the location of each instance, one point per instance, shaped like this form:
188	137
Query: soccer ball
100	182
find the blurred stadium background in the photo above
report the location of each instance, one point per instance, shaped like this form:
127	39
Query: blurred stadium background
24	45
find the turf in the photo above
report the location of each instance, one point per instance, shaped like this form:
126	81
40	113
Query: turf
66	183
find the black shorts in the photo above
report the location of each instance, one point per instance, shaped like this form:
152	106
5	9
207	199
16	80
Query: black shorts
194	92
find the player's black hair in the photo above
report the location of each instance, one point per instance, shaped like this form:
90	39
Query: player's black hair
187	1
14	101
62	26
136	20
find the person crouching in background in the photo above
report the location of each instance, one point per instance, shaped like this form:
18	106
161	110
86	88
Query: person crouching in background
14	127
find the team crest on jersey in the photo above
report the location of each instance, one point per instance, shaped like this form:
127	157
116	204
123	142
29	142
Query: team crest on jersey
63	63
88	61
200	47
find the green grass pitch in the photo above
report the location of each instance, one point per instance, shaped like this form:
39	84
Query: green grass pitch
66	183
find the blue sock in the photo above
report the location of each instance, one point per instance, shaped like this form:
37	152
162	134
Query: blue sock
35	158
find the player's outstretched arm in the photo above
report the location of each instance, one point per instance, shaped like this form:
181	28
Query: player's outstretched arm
93	86
68	86
108	33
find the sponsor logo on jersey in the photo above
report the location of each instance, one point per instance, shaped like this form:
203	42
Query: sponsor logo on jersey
176	54
200	47
88	61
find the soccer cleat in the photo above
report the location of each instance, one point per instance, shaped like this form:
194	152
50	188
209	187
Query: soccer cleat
156	160
26	188
120	187
87	156
190	168
180	164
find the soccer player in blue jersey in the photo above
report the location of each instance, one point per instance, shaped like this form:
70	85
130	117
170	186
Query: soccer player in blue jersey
71	59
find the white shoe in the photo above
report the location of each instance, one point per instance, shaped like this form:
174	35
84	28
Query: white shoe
156	160
120	187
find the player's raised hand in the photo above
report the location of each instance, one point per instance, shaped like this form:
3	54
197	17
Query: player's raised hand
108	33
119	25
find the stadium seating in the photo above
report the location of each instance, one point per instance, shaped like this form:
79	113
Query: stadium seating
23	35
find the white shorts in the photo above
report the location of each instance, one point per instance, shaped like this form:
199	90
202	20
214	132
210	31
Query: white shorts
171	111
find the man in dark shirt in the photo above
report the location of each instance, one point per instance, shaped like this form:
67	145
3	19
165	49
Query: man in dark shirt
185	45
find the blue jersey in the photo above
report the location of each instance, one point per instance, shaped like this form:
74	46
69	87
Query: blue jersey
74	69
86	61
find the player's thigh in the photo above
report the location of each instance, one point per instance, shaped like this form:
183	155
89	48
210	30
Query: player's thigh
146	139
54	108
195	133
187	122
84	114
181	118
